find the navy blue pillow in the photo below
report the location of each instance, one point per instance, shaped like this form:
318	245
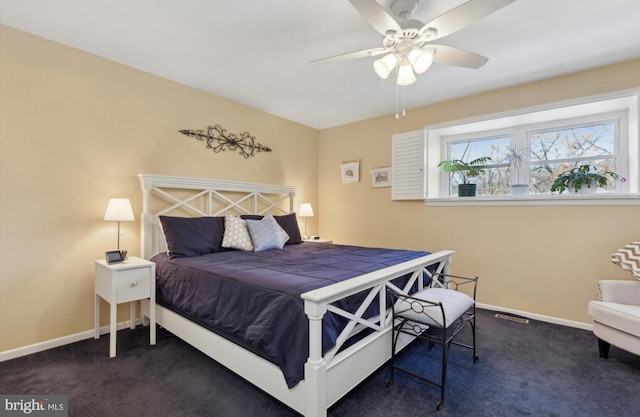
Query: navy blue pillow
192	236
288	222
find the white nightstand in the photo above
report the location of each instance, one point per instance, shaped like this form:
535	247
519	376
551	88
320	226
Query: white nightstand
128	281
318	240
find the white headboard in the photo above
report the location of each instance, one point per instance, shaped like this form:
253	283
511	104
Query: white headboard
193	197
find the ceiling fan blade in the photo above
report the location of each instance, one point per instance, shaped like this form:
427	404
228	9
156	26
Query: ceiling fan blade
448	55
376	15
354	55
463	16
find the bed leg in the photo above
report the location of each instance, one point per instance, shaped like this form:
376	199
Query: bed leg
315	380
315	369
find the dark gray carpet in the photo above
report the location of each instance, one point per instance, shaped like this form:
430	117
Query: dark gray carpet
536	369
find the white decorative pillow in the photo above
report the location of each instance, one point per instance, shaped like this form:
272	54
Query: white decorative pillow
236	233
266	233
282	234
628	258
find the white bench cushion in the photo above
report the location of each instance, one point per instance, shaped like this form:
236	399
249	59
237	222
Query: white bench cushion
455	304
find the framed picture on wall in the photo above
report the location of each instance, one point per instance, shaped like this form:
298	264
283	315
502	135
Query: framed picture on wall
350	172
381	177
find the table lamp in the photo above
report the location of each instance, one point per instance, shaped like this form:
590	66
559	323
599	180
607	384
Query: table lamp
119	210
306	211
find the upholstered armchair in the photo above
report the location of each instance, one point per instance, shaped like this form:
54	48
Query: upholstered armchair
616	315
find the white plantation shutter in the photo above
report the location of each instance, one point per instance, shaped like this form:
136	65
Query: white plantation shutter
409	156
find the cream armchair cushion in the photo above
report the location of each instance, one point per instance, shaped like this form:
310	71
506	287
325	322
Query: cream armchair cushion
616	316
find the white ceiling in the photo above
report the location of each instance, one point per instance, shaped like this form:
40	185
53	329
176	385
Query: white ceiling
257	52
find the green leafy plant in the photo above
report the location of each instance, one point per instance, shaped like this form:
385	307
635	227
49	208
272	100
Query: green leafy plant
580	176
466	169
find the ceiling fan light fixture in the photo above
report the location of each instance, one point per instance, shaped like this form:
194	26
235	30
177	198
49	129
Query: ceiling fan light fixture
385	65
405	75
421	59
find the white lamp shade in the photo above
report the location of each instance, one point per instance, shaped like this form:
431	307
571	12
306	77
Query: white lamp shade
421	59
385	65
119	210
306	210
405	75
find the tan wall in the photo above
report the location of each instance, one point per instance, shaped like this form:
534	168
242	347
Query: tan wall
75	131
540	259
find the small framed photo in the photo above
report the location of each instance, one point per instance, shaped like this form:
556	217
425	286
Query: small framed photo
381	177
350	172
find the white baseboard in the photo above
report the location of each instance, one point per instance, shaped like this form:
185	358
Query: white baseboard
539	317
65	340
60	341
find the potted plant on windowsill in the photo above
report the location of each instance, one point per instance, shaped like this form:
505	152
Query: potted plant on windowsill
517	160
582	180
467	170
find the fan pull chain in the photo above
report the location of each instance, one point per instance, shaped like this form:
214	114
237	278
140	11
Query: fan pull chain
404	113
397	117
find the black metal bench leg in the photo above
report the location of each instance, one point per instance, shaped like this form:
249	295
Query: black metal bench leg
394	341
473	333
445	357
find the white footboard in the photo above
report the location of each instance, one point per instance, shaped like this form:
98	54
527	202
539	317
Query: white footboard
330	376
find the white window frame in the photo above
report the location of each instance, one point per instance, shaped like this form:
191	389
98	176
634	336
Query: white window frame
521	136
622	107
474	136
621	121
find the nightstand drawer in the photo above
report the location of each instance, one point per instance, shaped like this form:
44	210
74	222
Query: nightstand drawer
132	284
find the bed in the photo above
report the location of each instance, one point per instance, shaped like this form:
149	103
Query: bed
331	298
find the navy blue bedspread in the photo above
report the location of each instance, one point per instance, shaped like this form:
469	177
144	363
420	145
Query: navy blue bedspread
255	296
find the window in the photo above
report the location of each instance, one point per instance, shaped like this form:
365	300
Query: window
495	179
603	134
545	150
554	151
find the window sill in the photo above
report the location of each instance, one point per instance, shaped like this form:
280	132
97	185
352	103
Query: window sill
604	199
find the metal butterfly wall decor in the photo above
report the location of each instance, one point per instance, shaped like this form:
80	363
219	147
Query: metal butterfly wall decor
219	140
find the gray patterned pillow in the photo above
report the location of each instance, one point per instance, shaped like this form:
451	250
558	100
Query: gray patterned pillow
628	258
266	233
236	233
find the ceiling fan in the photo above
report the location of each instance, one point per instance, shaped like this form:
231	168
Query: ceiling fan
407	44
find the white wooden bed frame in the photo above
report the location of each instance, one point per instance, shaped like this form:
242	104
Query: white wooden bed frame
327	377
